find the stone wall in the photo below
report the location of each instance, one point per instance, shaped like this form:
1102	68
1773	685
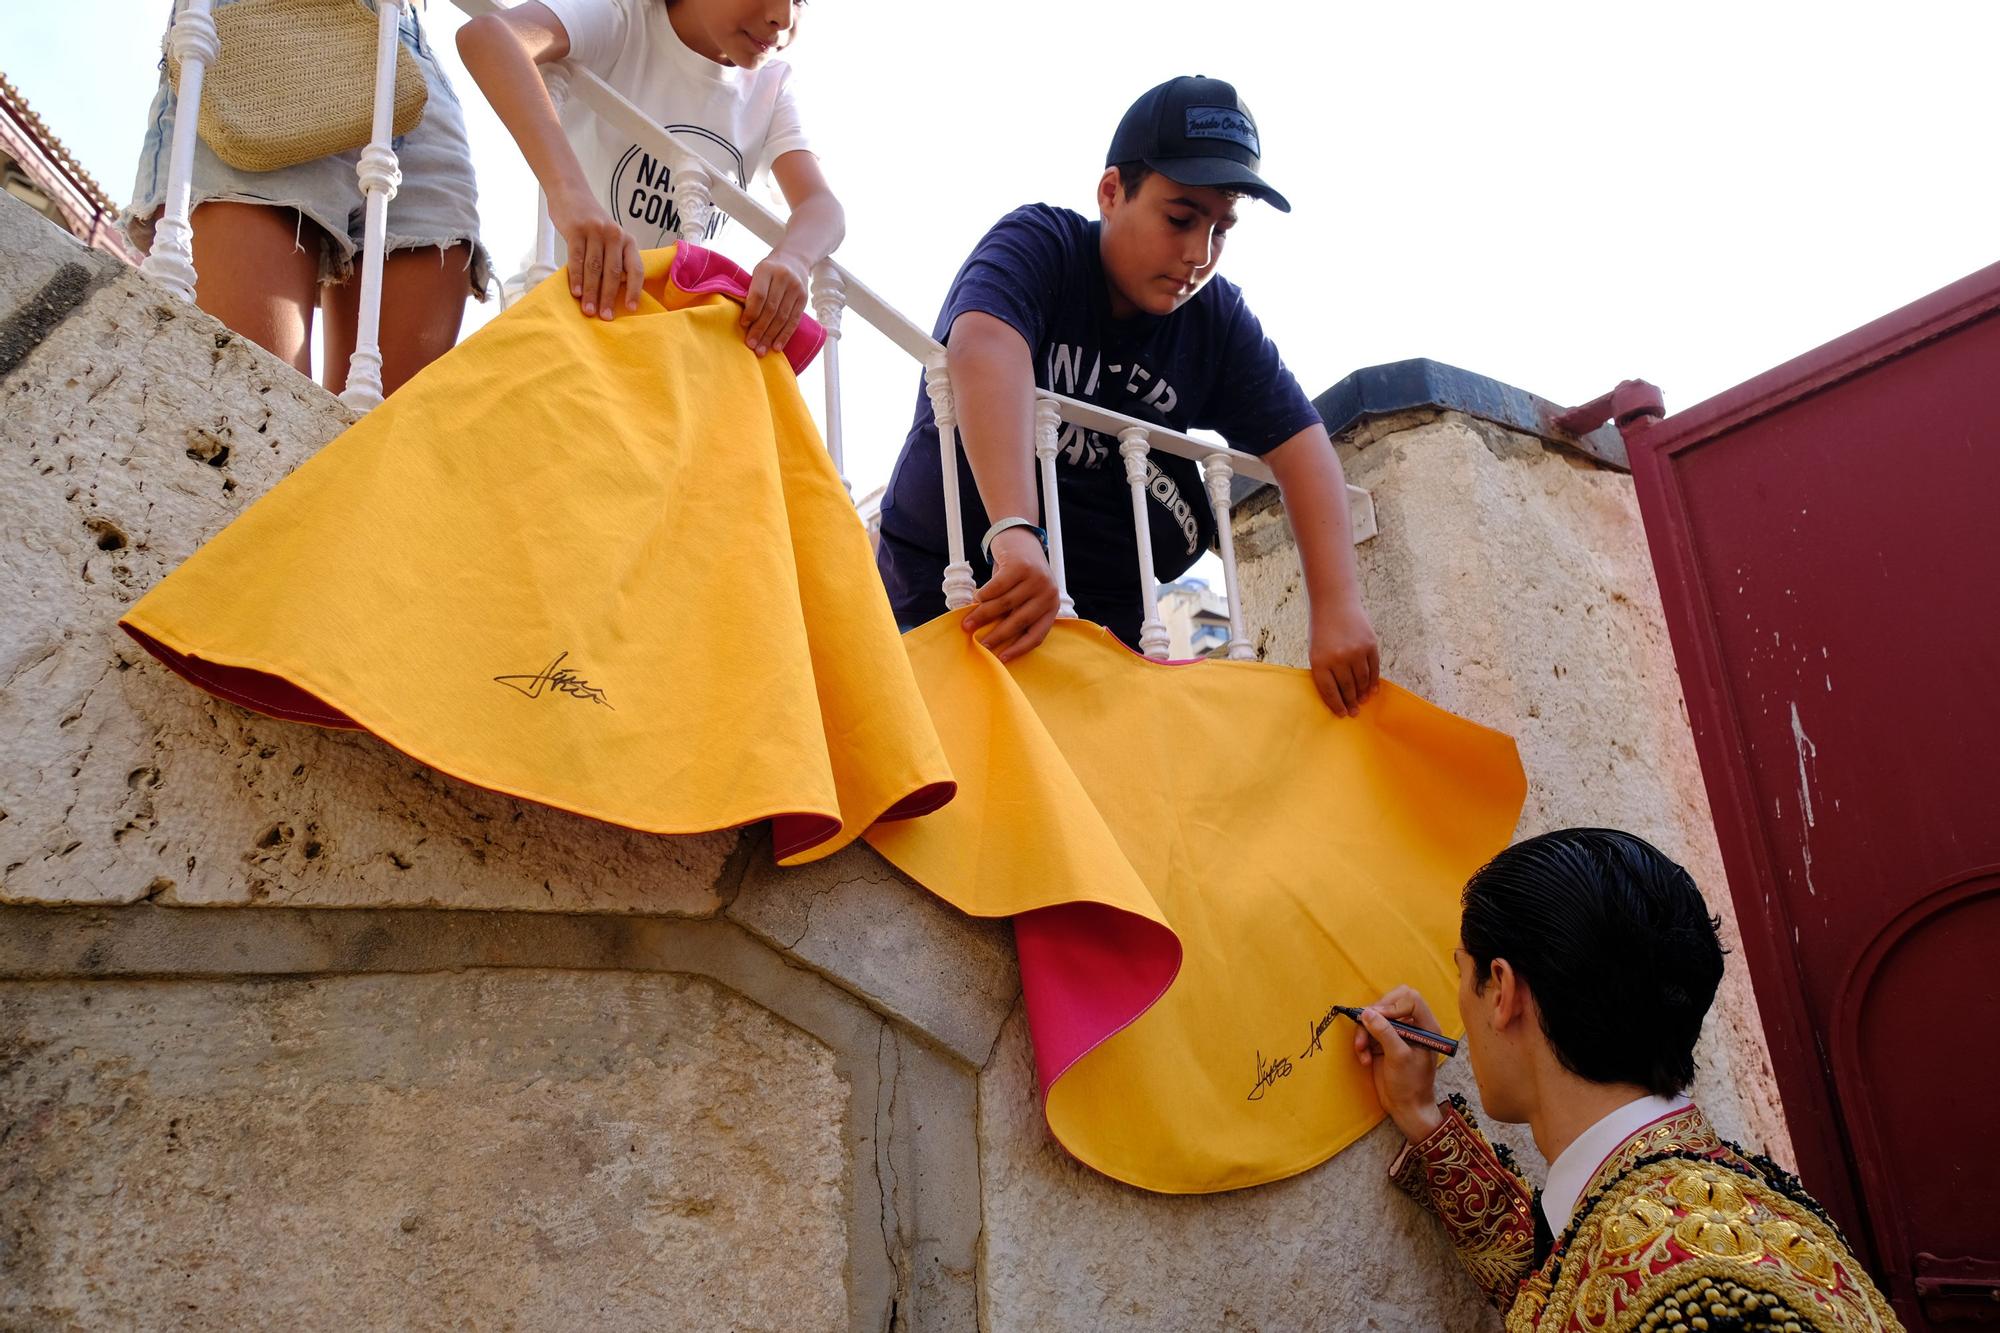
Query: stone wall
295	1032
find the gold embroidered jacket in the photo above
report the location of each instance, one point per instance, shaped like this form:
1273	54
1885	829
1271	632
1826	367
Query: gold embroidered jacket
1675	1230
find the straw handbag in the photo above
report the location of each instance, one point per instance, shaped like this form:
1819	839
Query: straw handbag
296	81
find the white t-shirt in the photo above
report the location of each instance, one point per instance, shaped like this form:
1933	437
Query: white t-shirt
740	120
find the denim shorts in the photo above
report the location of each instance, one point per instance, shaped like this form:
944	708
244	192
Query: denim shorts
436	205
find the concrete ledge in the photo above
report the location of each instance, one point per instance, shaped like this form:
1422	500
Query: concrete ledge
1379	401
1420	383
856	920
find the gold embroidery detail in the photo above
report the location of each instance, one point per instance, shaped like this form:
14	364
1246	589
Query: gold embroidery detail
1720	1237
1797	1248
1526	1312
1715	1208
1682	1240
1637	1224
1711	1189
1485	1208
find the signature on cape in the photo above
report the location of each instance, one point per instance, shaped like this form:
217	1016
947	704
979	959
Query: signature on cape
1270	1071
555	678
1268	1074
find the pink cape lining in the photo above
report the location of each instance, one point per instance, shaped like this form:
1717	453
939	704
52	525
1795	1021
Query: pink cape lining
1088	972
700	272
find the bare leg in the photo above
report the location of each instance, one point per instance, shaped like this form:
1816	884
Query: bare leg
258	272
422	303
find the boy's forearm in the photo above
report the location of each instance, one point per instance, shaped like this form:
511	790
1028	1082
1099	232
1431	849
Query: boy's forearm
815	229
508	76
1314	487
993	385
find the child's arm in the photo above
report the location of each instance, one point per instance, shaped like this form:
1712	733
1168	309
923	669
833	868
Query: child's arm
993	383
1345	657
501	52
779	287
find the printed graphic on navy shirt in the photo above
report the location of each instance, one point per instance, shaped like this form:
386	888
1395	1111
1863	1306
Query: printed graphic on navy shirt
641	196
1207	365
1148	397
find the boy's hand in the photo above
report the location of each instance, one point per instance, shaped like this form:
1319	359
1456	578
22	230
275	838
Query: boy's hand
1405	1075
1020	601
1346	658
778	292
604	263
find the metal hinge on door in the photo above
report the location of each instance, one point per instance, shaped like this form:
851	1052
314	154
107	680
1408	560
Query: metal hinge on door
1963	1291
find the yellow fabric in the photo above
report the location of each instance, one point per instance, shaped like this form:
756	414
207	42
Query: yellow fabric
645	498
1302	860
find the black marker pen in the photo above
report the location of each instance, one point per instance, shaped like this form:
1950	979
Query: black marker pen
1414	1036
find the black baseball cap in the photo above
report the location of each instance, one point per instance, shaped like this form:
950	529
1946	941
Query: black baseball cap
1197	131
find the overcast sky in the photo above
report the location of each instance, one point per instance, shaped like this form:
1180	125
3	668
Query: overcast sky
1559	196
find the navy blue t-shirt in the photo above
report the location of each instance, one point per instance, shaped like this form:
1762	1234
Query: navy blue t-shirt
1208	364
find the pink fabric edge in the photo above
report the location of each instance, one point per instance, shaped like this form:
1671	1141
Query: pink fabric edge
792	834
700	271
1088	972
258	691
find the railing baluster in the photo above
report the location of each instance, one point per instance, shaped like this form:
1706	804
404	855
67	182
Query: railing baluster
380	177
1132	447
1215	475
958	584
691	199
829	301
1048	424
195	45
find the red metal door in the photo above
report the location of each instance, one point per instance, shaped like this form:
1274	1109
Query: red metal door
1827	538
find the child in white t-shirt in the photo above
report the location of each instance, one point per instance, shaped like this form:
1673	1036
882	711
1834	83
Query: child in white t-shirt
703	68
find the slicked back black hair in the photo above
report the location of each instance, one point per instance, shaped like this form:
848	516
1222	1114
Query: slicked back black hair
1614	942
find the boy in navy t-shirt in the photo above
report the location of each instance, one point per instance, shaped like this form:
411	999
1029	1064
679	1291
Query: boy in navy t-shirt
1123	312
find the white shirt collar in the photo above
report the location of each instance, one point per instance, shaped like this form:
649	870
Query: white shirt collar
1576	1164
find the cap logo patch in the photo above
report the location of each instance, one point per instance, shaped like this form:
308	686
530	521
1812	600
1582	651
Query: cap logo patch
1222	122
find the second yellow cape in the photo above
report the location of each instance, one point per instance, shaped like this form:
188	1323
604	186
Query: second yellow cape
602	565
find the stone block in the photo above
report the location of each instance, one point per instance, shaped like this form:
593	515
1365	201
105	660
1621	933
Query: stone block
910	1213
134	432
856	919
927	1157
467	1150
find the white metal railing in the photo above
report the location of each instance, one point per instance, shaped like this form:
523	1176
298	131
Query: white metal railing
380	179
195	45
697	188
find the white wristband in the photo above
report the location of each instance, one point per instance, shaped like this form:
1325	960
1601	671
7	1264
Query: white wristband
986	542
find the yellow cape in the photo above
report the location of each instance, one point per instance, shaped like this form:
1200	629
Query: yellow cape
604	566
1200	860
